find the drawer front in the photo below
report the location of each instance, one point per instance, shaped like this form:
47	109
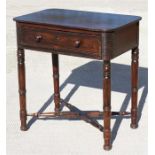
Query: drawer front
64	42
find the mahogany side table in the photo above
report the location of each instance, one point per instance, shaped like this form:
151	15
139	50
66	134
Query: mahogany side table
101	36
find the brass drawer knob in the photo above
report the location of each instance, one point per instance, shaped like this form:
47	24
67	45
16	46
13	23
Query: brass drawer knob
77	44
38	38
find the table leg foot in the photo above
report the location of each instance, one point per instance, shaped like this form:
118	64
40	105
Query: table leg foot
134	126
23	128
107	147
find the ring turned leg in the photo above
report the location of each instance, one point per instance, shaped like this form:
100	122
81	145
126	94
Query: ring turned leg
22	90
134	89
55	62
107	105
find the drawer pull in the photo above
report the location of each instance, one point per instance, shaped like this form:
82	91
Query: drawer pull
38	38
57	38
77	44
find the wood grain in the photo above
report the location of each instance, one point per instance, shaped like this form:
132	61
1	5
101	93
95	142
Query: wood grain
101	36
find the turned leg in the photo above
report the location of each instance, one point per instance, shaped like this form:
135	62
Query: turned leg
22	89
55	62
107	105
134	88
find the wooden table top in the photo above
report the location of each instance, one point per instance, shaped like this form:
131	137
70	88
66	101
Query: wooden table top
79	19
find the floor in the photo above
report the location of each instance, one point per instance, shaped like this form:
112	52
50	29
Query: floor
75	137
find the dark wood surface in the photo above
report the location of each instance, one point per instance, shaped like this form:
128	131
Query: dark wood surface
85	34
22	87
55	63
65	42
134	88
77	42
79	19
107	104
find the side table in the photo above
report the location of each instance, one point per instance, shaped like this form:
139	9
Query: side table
101	36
